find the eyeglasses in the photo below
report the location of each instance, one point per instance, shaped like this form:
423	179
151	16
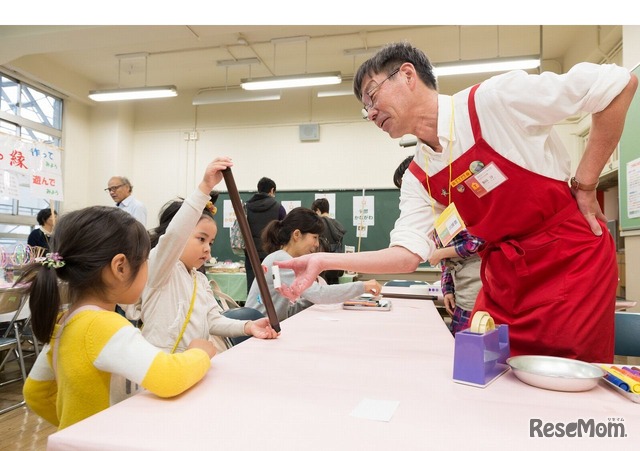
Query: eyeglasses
112	189
367	98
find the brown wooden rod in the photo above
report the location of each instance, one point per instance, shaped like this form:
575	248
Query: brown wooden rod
250	246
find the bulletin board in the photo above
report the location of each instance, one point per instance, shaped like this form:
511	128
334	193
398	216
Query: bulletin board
629	167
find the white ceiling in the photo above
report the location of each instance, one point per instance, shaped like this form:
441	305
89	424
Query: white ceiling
186	56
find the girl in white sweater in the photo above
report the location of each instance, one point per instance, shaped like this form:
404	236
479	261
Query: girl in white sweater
178	304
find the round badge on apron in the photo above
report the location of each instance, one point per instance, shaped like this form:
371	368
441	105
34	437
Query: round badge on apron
476	166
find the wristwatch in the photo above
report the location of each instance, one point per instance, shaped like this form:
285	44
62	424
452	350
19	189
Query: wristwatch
575	184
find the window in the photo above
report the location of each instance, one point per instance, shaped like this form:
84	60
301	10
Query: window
34	115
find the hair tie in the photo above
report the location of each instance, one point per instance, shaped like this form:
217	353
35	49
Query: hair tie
52	260
211	208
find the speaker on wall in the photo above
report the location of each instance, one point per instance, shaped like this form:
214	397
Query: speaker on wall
309	132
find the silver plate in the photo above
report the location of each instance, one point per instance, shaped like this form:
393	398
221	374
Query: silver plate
555	373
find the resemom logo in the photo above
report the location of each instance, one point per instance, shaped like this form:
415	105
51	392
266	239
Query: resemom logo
611	428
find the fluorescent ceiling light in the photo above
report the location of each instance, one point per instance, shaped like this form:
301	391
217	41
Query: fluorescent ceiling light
289	39
361	51
343	89
147	92
292	81
232	95
483	66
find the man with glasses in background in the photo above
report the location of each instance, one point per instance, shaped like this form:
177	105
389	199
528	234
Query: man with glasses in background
119	188
489	158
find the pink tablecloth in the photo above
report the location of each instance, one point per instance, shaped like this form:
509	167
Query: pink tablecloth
297	393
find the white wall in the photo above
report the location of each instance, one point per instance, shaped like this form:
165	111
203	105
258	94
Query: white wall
348	155
78	167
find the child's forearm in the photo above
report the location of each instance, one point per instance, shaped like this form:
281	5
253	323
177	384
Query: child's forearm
446	252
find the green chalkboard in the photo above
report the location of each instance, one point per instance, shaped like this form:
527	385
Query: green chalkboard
629	152
386	212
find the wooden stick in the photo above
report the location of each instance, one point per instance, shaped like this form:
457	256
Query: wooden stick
250	246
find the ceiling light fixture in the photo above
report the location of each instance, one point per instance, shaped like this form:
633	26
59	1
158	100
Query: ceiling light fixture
361	51
144	92
485	66
214	95
147	92
232	95
343	89
291	81
289	39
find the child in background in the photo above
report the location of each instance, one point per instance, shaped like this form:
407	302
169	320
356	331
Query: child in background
460	279
178	304
331	238
298	234
460	264
94	357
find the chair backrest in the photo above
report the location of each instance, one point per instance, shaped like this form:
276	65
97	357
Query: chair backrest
12	302
627	335
225	301
10	299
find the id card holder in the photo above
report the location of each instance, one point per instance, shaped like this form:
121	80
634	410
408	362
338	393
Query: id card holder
449	224
486	180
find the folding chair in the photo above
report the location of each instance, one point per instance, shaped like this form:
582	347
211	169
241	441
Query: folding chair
11	338
627	334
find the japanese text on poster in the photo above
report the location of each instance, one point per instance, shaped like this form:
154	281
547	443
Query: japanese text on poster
40	164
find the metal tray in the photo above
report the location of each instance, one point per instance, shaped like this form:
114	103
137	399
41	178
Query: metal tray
634	397
556	373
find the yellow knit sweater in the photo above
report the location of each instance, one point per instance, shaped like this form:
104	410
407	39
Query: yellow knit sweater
101	360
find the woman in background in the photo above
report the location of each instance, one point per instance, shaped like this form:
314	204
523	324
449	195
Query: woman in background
296	235
40	237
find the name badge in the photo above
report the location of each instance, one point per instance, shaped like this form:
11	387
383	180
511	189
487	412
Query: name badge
486	180
449	224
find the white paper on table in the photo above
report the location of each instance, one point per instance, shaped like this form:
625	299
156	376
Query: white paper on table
375	409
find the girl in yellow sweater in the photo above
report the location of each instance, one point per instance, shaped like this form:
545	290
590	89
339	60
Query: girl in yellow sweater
94	357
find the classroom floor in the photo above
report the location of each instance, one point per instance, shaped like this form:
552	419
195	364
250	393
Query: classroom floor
20	429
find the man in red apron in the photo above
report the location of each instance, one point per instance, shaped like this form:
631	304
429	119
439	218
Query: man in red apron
541	259
547	268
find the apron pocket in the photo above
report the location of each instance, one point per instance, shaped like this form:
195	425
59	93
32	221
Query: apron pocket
524	275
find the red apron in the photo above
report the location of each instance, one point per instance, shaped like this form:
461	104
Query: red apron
544	273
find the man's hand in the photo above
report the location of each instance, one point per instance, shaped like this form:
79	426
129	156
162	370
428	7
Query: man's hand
590	208
306	268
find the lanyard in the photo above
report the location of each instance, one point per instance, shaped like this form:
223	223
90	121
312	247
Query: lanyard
426	162
449	223
186	320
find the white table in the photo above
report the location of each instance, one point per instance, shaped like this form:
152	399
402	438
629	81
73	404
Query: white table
297	393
